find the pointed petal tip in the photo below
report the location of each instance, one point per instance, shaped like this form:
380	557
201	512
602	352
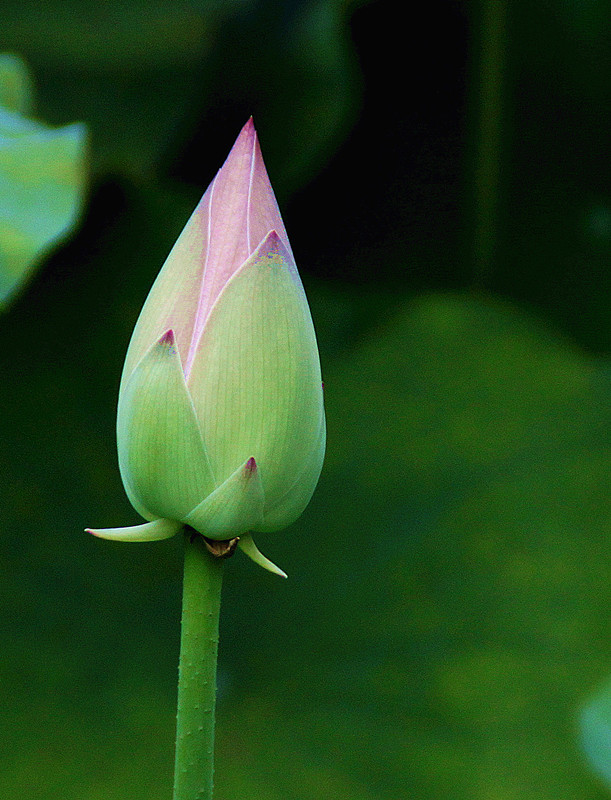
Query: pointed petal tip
250	131
167	339
147	532
249	548
233	507
247	139
272	244
166	344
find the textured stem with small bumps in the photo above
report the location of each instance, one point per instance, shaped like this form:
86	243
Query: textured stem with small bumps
194	765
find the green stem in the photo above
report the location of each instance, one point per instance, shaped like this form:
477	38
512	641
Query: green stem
194	765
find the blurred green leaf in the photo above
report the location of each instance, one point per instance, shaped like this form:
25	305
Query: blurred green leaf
16	88
42	180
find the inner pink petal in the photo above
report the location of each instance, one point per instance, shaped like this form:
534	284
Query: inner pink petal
238	210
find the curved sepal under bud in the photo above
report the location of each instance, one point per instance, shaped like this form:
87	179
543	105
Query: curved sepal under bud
255	379
148	532
162	457
234	507
247	545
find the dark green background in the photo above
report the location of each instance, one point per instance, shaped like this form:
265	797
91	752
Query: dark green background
448	606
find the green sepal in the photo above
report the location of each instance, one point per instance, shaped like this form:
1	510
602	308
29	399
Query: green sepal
233	508
148	532
162	457
247	545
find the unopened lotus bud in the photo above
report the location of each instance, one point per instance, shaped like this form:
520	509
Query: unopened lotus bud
220	421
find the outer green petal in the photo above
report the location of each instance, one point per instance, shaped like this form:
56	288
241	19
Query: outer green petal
232	509
290	507
149	532
255	381
162	457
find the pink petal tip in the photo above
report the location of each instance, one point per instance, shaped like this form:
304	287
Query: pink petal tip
167	339
273	245
246	138
250	467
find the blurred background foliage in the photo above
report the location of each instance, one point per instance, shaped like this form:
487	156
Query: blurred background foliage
43	173
445	183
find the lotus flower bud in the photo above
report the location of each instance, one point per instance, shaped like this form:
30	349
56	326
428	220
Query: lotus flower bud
220	422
